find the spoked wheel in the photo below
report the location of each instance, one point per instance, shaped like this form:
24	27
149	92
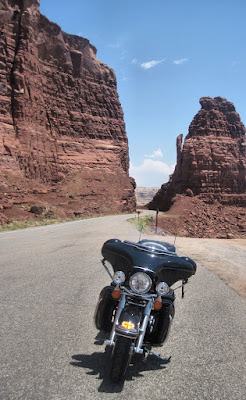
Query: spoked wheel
121	357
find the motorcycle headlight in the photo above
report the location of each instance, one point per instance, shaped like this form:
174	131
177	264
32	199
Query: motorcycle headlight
119	277
162	288
140	282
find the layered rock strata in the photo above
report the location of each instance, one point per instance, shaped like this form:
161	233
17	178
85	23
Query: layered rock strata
144	195
211	163
60	116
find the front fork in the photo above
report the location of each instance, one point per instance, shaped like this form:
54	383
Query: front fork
121	306
142	329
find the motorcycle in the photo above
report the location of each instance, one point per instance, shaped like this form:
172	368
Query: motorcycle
137	308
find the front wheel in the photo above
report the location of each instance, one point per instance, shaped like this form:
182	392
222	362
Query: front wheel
120	359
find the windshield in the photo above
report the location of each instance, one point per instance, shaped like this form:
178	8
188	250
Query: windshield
154	246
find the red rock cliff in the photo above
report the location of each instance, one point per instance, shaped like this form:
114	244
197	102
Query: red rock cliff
212	161
60	117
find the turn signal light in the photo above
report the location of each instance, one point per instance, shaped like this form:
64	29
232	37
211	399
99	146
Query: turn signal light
158	303
116	293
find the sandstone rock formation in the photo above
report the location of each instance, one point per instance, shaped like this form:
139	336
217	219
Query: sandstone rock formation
144	195
61	122
211	163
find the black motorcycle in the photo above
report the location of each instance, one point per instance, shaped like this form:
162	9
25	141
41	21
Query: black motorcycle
138	307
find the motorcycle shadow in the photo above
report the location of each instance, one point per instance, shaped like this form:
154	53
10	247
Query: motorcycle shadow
99	362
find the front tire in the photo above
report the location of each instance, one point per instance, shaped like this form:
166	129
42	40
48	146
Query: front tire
121	357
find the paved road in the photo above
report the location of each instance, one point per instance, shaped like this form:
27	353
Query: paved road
50	280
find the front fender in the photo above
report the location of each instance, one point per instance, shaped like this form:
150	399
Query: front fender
129	322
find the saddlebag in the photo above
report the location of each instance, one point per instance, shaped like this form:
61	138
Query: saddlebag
163	319
105	309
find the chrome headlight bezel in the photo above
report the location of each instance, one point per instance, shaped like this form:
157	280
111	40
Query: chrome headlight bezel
162	288
140	282
119	277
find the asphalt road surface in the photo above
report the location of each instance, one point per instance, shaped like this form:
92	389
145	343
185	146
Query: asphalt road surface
50	281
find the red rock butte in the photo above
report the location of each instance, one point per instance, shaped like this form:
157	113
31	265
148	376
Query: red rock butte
211	163
61	123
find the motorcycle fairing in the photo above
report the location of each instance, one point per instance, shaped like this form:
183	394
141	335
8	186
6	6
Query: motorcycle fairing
167	266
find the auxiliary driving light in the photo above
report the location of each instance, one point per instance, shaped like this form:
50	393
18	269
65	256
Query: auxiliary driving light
162	288
119	277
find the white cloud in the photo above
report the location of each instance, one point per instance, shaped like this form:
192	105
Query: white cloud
156	154
123	54
151	64
151	173
116	45
180	61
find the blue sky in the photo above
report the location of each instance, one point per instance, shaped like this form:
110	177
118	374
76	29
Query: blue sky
166	55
